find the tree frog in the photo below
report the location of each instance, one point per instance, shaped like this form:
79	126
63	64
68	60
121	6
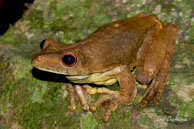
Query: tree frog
107	56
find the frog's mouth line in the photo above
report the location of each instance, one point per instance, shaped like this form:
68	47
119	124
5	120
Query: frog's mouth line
47	69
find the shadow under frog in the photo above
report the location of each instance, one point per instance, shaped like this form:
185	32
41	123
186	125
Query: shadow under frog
107	56
48	76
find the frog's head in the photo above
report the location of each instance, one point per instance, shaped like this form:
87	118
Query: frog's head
61	59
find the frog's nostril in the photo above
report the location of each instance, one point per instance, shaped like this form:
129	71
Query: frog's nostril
36	60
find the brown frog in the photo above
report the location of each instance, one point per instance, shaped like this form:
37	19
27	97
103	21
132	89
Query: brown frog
108	55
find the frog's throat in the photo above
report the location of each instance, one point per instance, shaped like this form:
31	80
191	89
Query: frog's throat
103	78
76	77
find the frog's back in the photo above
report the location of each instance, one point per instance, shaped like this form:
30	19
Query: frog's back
116	43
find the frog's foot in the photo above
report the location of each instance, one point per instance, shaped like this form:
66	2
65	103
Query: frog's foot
109	100
77	93
155	89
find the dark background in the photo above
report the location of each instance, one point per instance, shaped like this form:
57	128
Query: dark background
11	11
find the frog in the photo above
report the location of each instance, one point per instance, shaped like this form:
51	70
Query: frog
107	56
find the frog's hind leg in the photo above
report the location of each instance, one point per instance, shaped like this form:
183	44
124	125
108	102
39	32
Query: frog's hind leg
151	53
158	70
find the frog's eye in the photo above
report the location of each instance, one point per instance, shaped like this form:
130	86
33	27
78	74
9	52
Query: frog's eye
42	44
69	59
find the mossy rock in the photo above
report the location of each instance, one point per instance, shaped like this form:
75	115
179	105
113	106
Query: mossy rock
29	101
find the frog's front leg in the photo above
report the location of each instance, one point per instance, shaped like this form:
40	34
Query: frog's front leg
153	63
77	93
111	99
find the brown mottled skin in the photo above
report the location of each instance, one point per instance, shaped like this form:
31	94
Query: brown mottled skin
108	55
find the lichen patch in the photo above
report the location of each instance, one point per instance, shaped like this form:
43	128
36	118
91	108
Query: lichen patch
186	93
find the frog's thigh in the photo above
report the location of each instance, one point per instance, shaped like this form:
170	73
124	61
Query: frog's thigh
155	90
151	53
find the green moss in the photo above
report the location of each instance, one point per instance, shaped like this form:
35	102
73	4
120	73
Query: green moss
185	110
38	94
87	121
146	123
101	19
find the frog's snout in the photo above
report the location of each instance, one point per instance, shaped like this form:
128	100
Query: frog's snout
36	59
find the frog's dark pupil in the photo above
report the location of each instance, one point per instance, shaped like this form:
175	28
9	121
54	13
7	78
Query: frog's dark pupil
68	59
42	44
